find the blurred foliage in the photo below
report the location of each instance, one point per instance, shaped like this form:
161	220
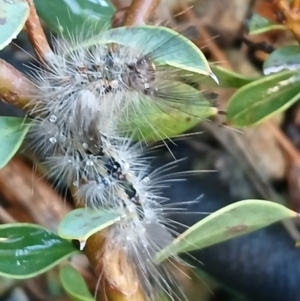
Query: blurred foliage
13	131
13	17
74	284
69	18
259	24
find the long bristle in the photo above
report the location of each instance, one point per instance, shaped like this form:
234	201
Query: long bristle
82	99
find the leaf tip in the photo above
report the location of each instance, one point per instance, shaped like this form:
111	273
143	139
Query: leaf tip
82	244
214	77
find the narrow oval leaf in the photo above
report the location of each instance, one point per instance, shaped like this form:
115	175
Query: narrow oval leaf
81	223
263	99
284	58
84	17
227	78
74	285
231	221
12	133
170	47
259	24
27	250
13	15
157	122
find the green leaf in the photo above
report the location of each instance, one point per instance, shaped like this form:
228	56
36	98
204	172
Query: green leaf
12	133
81	223
227	78
259	24
74	285
284	58
84	17
13	15
157	122
170	48
231	221
27	250
263	99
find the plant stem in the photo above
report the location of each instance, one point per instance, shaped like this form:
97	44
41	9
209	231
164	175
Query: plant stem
116	275
36	34
15	88
140	11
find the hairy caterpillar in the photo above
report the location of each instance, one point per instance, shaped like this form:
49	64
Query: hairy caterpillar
83	96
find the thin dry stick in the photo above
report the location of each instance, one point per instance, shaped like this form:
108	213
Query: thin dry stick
36	34
140	11
211	45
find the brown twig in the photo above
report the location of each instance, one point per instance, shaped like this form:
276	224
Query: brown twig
116	275
140	11
117	279
211	45
15	88
36	34
33	194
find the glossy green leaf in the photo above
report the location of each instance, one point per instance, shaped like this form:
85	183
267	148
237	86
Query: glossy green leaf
259	24
284	58
170	48
74	285
27	250
231	221
263	98
13	15
159	121
69	17
81	223
12	133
